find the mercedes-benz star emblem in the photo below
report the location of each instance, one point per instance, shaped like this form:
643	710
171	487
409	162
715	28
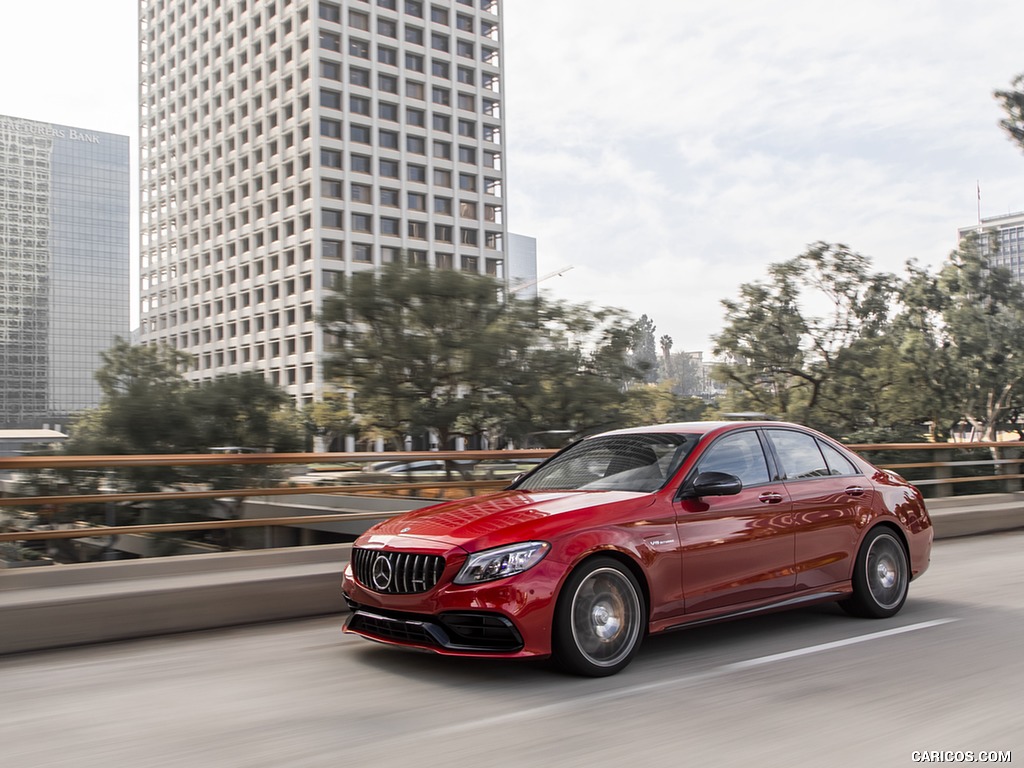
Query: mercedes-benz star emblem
381	572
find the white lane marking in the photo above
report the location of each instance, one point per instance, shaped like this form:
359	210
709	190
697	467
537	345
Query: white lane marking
829	646
699	677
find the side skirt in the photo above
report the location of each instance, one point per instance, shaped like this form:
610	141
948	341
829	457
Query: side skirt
796	601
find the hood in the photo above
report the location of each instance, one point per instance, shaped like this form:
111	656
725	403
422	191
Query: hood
504	517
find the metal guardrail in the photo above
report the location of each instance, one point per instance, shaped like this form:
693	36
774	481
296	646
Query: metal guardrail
944	478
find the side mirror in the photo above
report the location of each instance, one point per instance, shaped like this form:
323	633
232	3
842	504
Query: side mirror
713	484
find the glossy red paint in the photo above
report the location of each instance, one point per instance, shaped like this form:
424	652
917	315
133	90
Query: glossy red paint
791	534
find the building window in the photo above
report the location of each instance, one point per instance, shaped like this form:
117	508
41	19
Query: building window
414	62
415	145
414	90
418	230
442	178
330	12
389	197
330	128
441	96
389	226
387	139
362	222
438	15
466	76
360	193
387	83
413	35
414	8
441	122
359	133
359	20
469	236
415	172
359	48
415	117
386	111
417	201
440	69
330	99
439	41
330	41
443	205
443	260
467	101
464	23
362	252
467	128
332	249
386	55
470	264
331	188
387	28
467	182
389	169
443	150
359	105
361	164
332	218
359	76
466	49
443	233
467	209
330	70
330	158
467	154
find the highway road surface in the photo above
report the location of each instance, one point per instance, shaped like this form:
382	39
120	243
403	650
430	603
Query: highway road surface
806	688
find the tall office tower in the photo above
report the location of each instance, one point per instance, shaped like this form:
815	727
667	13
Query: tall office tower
1002	240
64	265
284	142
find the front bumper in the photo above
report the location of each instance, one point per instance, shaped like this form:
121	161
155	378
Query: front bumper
470	633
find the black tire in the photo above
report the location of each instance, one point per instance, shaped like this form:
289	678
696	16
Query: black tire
600	619
881	577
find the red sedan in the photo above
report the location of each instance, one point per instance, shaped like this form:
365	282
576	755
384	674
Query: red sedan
641	531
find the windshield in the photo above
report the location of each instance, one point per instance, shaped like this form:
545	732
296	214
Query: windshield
640	462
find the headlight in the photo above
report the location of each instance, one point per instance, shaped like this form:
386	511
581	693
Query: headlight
501	562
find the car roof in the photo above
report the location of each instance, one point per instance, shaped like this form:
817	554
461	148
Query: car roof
698	427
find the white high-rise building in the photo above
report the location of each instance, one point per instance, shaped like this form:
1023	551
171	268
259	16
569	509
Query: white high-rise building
1002	240
286	141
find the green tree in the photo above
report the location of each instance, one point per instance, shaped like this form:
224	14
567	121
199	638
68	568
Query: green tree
1013	106
800	346
643	353
433	349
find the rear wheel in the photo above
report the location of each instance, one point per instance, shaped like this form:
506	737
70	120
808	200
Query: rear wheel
599	619
881	577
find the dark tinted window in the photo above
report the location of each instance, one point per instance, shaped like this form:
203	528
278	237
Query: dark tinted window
838	464
799	454
738	454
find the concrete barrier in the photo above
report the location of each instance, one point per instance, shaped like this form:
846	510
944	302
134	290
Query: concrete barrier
57	606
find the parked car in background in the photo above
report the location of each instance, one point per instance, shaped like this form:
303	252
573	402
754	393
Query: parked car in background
641	531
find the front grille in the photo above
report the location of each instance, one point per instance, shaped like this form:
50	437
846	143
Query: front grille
396	573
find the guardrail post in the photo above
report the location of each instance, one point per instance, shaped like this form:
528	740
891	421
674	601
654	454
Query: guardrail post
944	472
1011	484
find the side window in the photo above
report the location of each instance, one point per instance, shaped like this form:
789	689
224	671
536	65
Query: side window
737	454
799	455
838	464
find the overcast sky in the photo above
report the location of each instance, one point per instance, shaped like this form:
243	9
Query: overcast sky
668	150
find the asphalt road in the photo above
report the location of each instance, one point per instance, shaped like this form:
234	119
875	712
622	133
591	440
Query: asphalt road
805	688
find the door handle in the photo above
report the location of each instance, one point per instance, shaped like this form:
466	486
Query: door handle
770	497
854	490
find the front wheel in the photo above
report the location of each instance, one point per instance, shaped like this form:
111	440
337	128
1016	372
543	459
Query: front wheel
600	619
881	577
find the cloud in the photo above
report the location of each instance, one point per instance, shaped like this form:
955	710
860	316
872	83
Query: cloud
670	151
